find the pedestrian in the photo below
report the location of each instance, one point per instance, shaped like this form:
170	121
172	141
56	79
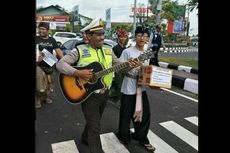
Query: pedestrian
44	72
134	99
122	39
85	54
157	43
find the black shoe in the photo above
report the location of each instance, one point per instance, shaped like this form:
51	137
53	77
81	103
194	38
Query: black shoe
134	137
85	142
121	141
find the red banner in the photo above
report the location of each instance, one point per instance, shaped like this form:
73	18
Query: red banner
53	18
170	27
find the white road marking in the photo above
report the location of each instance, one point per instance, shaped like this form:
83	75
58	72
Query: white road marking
111	144
161	145
182	133
195	100
193	119
64	147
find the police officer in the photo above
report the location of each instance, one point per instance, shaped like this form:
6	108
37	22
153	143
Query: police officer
93	106
157	43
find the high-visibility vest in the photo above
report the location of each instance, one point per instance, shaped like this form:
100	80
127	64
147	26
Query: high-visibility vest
88	55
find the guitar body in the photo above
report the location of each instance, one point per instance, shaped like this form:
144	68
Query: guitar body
76	90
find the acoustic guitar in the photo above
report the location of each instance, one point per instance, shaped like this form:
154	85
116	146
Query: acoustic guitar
77	90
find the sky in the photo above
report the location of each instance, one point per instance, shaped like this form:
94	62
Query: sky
120	9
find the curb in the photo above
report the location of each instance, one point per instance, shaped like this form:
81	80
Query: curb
187	84
179	49
187	69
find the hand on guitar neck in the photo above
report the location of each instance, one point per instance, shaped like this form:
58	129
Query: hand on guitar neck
132	63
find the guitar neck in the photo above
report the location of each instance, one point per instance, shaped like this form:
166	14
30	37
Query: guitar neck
112	69
122	65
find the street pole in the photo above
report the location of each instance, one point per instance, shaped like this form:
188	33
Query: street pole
188	23
134	18
158	12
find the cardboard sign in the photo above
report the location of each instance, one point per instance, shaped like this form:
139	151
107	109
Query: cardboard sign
155	76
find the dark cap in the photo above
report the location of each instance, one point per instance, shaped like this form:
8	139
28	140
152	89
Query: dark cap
44	24
142	29
158	26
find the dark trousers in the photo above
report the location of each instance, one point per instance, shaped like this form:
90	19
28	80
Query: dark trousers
114	92
93	109
154	60
127	109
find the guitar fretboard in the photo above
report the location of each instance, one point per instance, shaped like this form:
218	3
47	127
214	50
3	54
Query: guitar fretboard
112	69
118	67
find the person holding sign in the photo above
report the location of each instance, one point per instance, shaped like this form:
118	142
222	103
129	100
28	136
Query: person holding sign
45	63
134	99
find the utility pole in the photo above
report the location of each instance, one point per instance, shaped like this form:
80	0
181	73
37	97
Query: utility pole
147	9
134	18
158	12
188	23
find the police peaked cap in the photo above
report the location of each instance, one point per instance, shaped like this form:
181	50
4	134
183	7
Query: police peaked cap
95	25
142	29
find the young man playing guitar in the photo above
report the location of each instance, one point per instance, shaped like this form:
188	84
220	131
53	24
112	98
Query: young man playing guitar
94	55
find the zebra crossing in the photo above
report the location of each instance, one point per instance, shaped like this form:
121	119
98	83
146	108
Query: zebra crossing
111	144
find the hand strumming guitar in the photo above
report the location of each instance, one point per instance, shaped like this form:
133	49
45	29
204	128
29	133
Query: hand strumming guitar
85	74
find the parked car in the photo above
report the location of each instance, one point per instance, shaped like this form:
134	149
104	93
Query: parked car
70	44
110	42
62	37
78	34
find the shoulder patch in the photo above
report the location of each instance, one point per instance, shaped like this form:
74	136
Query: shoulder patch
108	51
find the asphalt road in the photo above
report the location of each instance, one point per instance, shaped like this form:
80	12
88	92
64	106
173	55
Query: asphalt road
59	125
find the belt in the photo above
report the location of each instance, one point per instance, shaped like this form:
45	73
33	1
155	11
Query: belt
131	76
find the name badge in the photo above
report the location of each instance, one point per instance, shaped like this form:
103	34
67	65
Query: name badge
85	53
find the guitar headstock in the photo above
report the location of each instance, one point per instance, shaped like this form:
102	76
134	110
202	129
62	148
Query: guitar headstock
146	55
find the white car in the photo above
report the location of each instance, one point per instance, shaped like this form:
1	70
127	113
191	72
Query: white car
62	37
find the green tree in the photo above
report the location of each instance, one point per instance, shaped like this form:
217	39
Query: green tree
171	10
